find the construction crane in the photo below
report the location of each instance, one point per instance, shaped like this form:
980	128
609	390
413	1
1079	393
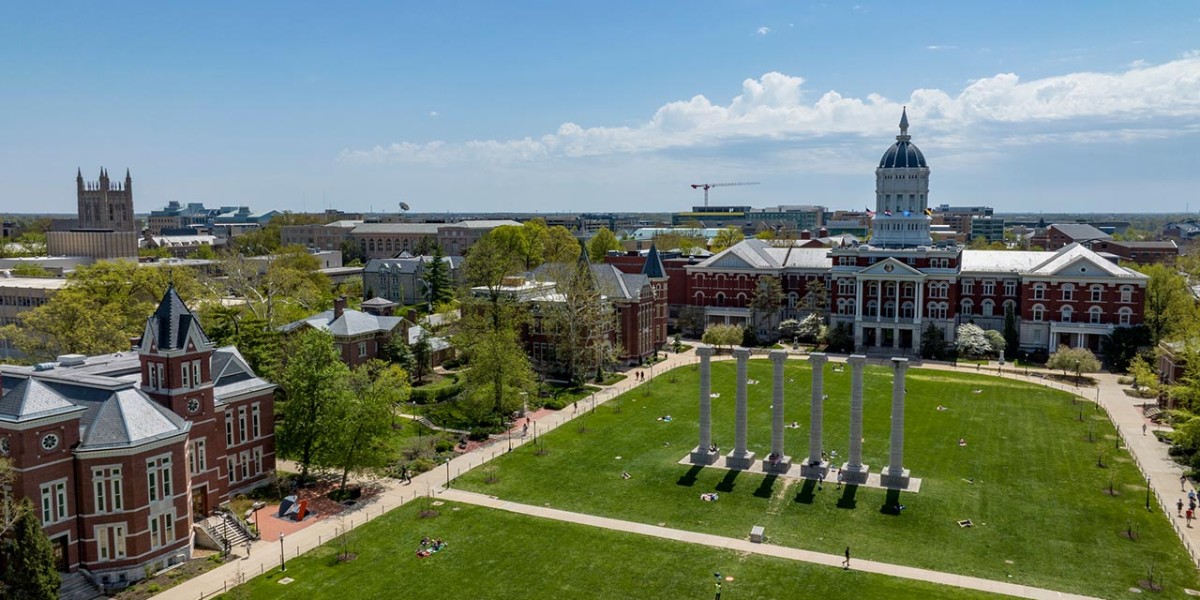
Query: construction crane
708	186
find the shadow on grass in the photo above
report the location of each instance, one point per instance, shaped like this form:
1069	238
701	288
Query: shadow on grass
805	495
891	505
764	488
847	500
689	478
726	484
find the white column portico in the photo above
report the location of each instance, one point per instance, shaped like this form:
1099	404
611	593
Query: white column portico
895	476
740	459
816	467
853	471
777	461
704	454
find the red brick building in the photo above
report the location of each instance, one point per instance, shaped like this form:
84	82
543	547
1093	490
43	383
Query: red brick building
122	453
359	336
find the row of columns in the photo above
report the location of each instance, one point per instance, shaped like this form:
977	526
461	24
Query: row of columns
815	467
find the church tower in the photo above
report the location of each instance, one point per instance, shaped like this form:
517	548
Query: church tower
901	195
105	204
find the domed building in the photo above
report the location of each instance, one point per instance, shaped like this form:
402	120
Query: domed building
902	195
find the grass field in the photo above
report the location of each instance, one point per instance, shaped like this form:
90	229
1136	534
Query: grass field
494	554
1028	478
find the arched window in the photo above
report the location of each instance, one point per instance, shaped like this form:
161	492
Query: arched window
1039	291
720	299
906	310
889	309
873	289
741	299
1065	314
1068	292
1097	293
1126	294
792	299
968	305
1124	315
1039	313
699	298
989	307
845	287
1094	315
908	290
873	308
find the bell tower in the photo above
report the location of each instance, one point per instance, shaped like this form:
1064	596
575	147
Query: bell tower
176	359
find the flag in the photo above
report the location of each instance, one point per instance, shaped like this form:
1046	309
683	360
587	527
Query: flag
907	214
870	213
887	213
929	212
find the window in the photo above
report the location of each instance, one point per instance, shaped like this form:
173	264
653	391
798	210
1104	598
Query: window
258	468
967	306
197	460
989	307
872	309
989	288
1124	315
242	431
1039	313
155	534
54	502
228	429
362	349
1065	314
1126	294
110	542
1068	292
845	287
158	476
186	372
1039	291
162	378
152	375
1010	288
196	373
1094	314
889	309
245	464
968	287
107	488
255	421
232	468
906	310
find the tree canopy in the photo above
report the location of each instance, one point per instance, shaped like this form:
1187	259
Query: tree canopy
313	385
727	237
1073	360
601	243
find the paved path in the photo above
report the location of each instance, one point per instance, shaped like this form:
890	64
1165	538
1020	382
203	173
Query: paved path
1150	455
716	541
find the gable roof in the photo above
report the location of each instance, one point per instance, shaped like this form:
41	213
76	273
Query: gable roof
1075	259
759	254
1081	232
351	323
891	266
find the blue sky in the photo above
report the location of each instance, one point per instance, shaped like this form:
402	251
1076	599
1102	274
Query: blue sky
545	106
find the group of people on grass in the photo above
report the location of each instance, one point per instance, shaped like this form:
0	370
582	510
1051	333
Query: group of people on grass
429	546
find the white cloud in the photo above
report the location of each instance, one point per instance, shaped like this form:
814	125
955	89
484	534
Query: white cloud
434	113
936	47
1142	101
764	30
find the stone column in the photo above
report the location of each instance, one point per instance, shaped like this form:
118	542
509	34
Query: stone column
740	458
816	467
853	471
704	454
777	462
895	475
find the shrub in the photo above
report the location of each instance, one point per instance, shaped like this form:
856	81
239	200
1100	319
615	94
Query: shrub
556	403
478	433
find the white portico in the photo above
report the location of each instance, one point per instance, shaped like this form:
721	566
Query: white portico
888	313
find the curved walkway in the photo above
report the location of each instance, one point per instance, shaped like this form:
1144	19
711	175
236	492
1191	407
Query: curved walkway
1150	455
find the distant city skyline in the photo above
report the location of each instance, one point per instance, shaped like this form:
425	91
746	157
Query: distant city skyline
494	107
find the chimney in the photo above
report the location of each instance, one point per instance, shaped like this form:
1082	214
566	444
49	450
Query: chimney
822	232
339	307
806	235
412	315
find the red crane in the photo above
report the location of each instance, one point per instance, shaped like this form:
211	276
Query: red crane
708	186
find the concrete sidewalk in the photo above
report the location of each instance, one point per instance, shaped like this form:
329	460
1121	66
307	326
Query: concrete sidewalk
739	545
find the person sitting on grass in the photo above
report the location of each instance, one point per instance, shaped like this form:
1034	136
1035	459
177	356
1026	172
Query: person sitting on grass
962	441
626	475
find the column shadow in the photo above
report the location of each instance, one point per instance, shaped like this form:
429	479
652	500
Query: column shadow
689	479
726	484
806	495
848	500
891	505
764	488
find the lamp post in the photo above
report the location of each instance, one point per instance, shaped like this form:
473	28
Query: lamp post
447	473
1147	493
282	562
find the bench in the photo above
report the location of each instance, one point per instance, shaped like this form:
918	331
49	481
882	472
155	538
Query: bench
756	534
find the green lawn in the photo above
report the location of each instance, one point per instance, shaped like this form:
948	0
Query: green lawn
1038	499
495	554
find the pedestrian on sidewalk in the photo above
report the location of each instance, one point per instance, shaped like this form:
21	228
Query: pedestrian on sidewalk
846	563
1143	429
1192	496
1179	505
1191	513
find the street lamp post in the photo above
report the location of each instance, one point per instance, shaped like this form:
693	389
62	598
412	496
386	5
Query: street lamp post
448	473
282	562
1147	493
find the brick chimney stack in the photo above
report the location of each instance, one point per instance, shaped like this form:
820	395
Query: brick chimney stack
339	307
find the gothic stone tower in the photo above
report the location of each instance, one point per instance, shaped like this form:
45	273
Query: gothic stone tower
105	204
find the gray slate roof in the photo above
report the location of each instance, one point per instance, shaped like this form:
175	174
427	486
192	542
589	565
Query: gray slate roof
351	323
653	267
172	321
129	418
1081	232
32	399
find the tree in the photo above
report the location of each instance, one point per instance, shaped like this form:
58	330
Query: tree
32	572
995	339
422	354
789	329
364	422
1169	305
811	328
440	289
601	243
840	338
560	245
101	307
816	297
691	320
581	324
970	341
726	237
684	240
933	343
29	270
1143	373
766	234
497	376
258	343
1012	336
723	335
313	385
397	352
9	506
1079	360
1123	344
289	287
768	297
